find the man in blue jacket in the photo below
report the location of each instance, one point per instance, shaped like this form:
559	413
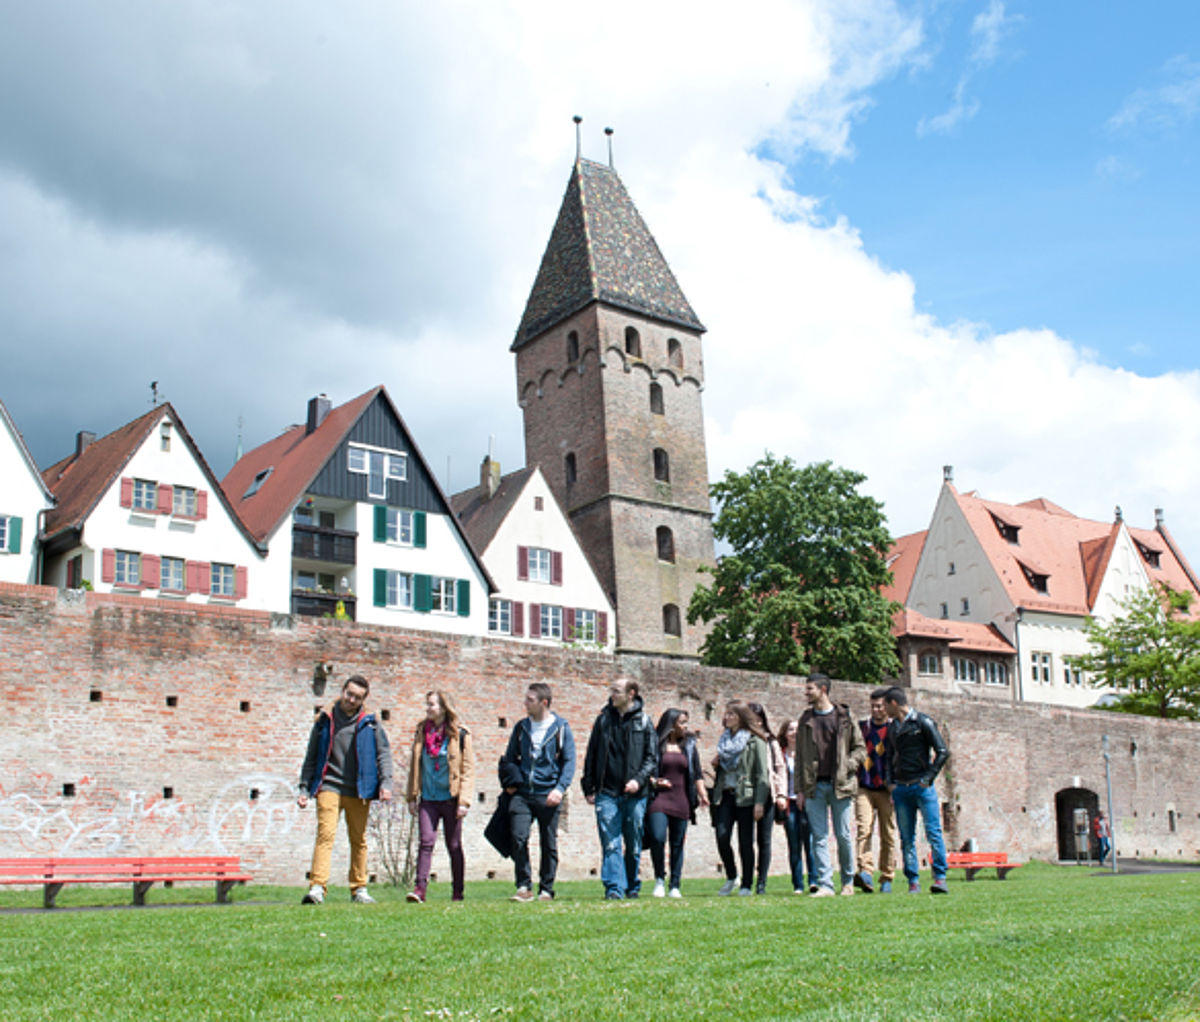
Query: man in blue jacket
536	770
347	765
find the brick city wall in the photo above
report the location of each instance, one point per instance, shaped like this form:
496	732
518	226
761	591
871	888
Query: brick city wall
138	726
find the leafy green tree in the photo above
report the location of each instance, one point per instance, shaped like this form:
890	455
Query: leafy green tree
1151	653
800	589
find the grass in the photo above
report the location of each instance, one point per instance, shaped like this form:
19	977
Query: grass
1047	943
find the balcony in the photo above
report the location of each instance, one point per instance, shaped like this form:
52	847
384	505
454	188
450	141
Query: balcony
314	603
334	546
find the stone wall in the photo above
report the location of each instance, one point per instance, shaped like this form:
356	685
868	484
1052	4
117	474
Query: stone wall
135	726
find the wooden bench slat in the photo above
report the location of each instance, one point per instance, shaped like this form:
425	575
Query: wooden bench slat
140	871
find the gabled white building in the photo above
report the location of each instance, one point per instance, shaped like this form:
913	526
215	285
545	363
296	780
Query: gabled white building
547	590
1034	573
356	524
23	498
139	512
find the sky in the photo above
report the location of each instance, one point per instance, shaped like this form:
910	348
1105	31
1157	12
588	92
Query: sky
919	233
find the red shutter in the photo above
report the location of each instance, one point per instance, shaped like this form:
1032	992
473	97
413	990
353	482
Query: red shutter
166	499
203	577
202	503
191	576
569	624
151	571
518	618
535	620
239	583
556	567
601	627
108	558
522	564
126	491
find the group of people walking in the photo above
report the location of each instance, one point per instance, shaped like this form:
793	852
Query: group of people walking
646	783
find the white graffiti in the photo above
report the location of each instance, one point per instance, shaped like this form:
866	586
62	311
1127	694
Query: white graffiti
1041	817
236	819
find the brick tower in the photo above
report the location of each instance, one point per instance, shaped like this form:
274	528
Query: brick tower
609	375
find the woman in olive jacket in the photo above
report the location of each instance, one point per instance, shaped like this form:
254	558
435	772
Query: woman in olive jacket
741	792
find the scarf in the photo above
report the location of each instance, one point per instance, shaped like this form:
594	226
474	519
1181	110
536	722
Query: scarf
435	741
730	746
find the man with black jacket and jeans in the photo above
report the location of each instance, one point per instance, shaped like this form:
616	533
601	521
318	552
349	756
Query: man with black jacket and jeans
536	770
918	753
622	753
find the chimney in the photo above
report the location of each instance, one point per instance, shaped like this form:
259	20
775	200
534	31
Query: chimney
489	478
83	439
318	408
947	473
1117	513
1158	518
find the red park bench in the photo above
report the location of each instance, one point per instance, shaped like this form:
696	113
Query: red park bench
141	871
973	862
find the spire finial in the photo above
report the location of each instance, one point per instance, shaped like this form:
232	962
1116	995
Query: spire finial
609	133
578	145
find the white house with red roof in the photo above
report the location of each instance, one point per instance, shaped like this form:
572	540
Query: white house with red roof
140	512
24	497
547	591
1031	574
355	523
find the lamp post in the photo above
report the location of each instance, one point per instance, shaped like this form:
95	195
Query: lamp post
1112	831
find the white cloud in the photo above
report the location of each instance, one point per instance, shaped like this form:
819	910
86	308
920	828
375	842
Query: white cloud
1162	107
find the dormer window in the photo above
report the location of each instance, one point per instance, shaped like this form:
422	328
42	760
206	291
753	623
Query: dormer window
1038	582
1151	556
1007	530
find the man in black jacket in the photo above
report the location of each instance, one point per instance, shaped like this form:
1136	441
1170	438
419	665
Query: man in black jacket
918	753
622	753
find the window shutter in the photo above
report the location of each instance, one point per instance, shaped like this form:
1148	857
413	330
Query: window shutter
464	597
380	525
380	587
151	571
108	565
535	620
191	576
518	618
202	503
522	564
569	624
166	499
240	582
204	577
126	492
556	567
601	626
423	593
14	535
419	529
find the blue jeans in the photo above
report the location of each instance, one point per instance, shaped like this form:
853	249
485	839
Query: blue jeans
619	817
800	848
1105	846
819	806
910	799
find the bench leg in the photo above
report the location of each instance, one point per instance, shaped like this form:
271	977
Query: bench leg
49	893
140	887
223	889
971	871
1002	871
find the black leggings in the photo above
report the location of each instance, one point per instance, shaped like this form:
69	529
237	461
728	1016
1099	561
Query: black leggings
729	814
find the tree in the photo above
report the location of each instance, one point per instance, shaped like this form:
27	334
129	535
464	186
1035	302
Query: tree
1151	652
800	589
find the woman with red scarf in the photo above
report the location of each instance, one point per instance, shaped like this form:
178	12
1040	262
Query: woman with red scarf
441	784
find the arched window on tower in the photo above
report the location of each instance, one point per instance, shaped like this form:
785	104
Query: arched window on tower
662	465
656	399
572	348
633	342
674	353
671	619
666	544
569	468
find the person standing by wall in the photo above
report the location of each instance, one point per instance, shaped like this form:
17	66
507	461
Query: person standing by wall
742	791
873	803
1103	835
678	784
800	851
777	802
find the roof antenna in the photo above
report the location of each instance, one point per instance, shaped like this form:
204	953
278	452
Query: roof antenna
154	393
609	133
578	121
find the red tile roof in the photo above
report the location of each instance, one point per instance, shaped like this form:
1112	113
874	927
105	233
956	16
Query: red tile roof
902	562
964	635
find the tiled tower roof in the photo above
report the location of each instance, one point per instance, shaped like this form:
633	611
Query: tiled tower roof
601	250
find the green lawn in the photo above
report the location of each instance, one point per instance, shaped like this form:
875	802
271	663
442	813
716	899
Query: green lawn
1047	943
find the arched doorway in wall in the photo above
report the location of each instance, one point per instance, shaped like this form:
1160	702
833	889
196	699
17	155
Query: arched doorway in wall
1066	802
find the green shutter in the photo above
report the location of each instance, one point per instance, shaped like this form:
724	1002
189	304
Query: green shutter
419	529
380	523
14	535
464	597
380	587
423	596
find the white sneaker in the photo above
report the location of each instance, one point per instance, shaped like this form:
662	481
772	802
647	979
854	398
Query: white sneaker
361	897
676	893
745	892
315	895
847	890
726	888
660	889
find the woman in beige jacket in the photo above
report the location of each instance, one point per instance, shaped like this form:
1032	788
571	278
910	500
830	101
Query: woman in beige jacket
441	785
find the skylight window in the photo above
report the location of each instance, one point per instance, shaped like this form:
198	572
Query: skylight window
259	479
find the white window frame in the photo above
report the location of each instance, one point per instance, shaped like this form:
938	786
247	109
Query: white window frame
164	582
966	669
393	465
145	495
3	534
995	673
1042	667
443	593
551	621
399	590
400	526
586	625
922	666
185	496
127	568
499	616
221	580
541	562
